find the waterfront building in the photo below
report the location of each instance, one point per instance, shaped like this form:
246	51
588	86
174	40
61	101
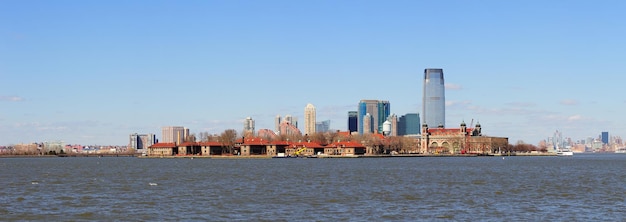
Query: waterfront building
409	124
56	146
30	148
434	101
174	134
353	119
248	126
187	148
459	141
141	142
309	119
379	110
323	126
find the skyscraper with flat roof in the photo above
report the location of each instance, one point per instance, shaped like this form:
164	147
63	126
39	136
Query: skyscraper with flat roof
379	111
434	98
140	142
248	126
277	123
309	119
605	137
353	120
409	124
323	126
174	134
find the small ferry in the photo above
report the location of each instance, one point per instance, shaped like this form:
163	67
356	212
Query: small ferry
564	153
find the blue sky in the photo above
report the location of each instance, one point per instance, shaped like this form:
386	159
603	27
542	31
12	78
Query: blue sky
92	72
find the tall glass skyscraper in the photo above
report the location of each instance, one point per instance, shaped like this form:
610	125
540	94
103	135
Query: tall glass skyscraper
605	137
379	110
409	124
353	119
434	100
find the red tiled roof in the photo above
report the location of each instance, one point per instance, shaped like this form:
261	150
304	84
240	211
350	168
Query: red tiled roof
163	145
212	143
306	144
188	144
347	144
255	142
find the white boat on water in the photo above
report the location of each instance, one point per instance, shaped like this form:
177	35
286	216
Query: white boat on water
564	153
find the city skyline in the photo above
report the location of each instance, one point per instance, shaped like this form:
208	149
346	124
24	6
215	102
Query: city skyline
84	76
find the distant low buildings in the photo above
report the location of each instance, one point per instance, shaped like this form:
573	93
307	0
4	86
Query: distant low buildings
141	142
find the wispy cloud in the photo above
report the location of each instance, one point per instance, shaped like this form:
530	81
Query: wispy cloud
569	102
522	104
452	86
457	103
11	98
574	118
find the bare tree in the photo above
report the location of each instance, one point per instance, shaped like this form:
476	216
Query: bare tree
228	138
318	138
330	137
190	138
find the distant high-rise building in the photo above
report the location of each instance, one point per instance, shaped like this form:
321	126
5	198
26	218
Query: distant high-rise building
277	123
367	124
141	142
322	127
248	126
605	138
353	120
409	124
291	120
379	111
286	128
309	119
434	100
174	134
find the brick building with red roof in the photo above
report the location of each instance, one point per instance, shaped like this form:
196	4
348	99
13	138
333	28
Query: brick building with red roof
459	141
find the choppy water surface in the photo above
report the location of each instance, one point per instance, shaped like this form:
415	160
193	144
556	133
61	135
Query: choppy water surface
583	187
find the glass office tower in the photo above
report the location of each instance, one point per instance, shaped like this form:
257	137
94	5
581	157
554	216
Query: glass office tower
434	100
379	111
353	117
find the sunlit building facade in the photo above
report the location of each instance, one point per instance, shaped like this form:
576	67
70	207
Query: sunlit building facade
174	134
309	119
248	126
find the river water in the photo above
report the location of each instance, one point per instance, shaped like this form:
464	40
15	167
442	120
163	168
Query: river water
580	188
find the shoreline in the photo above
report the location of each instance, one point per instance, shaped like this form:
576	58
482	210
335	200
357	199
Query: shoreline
271	157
